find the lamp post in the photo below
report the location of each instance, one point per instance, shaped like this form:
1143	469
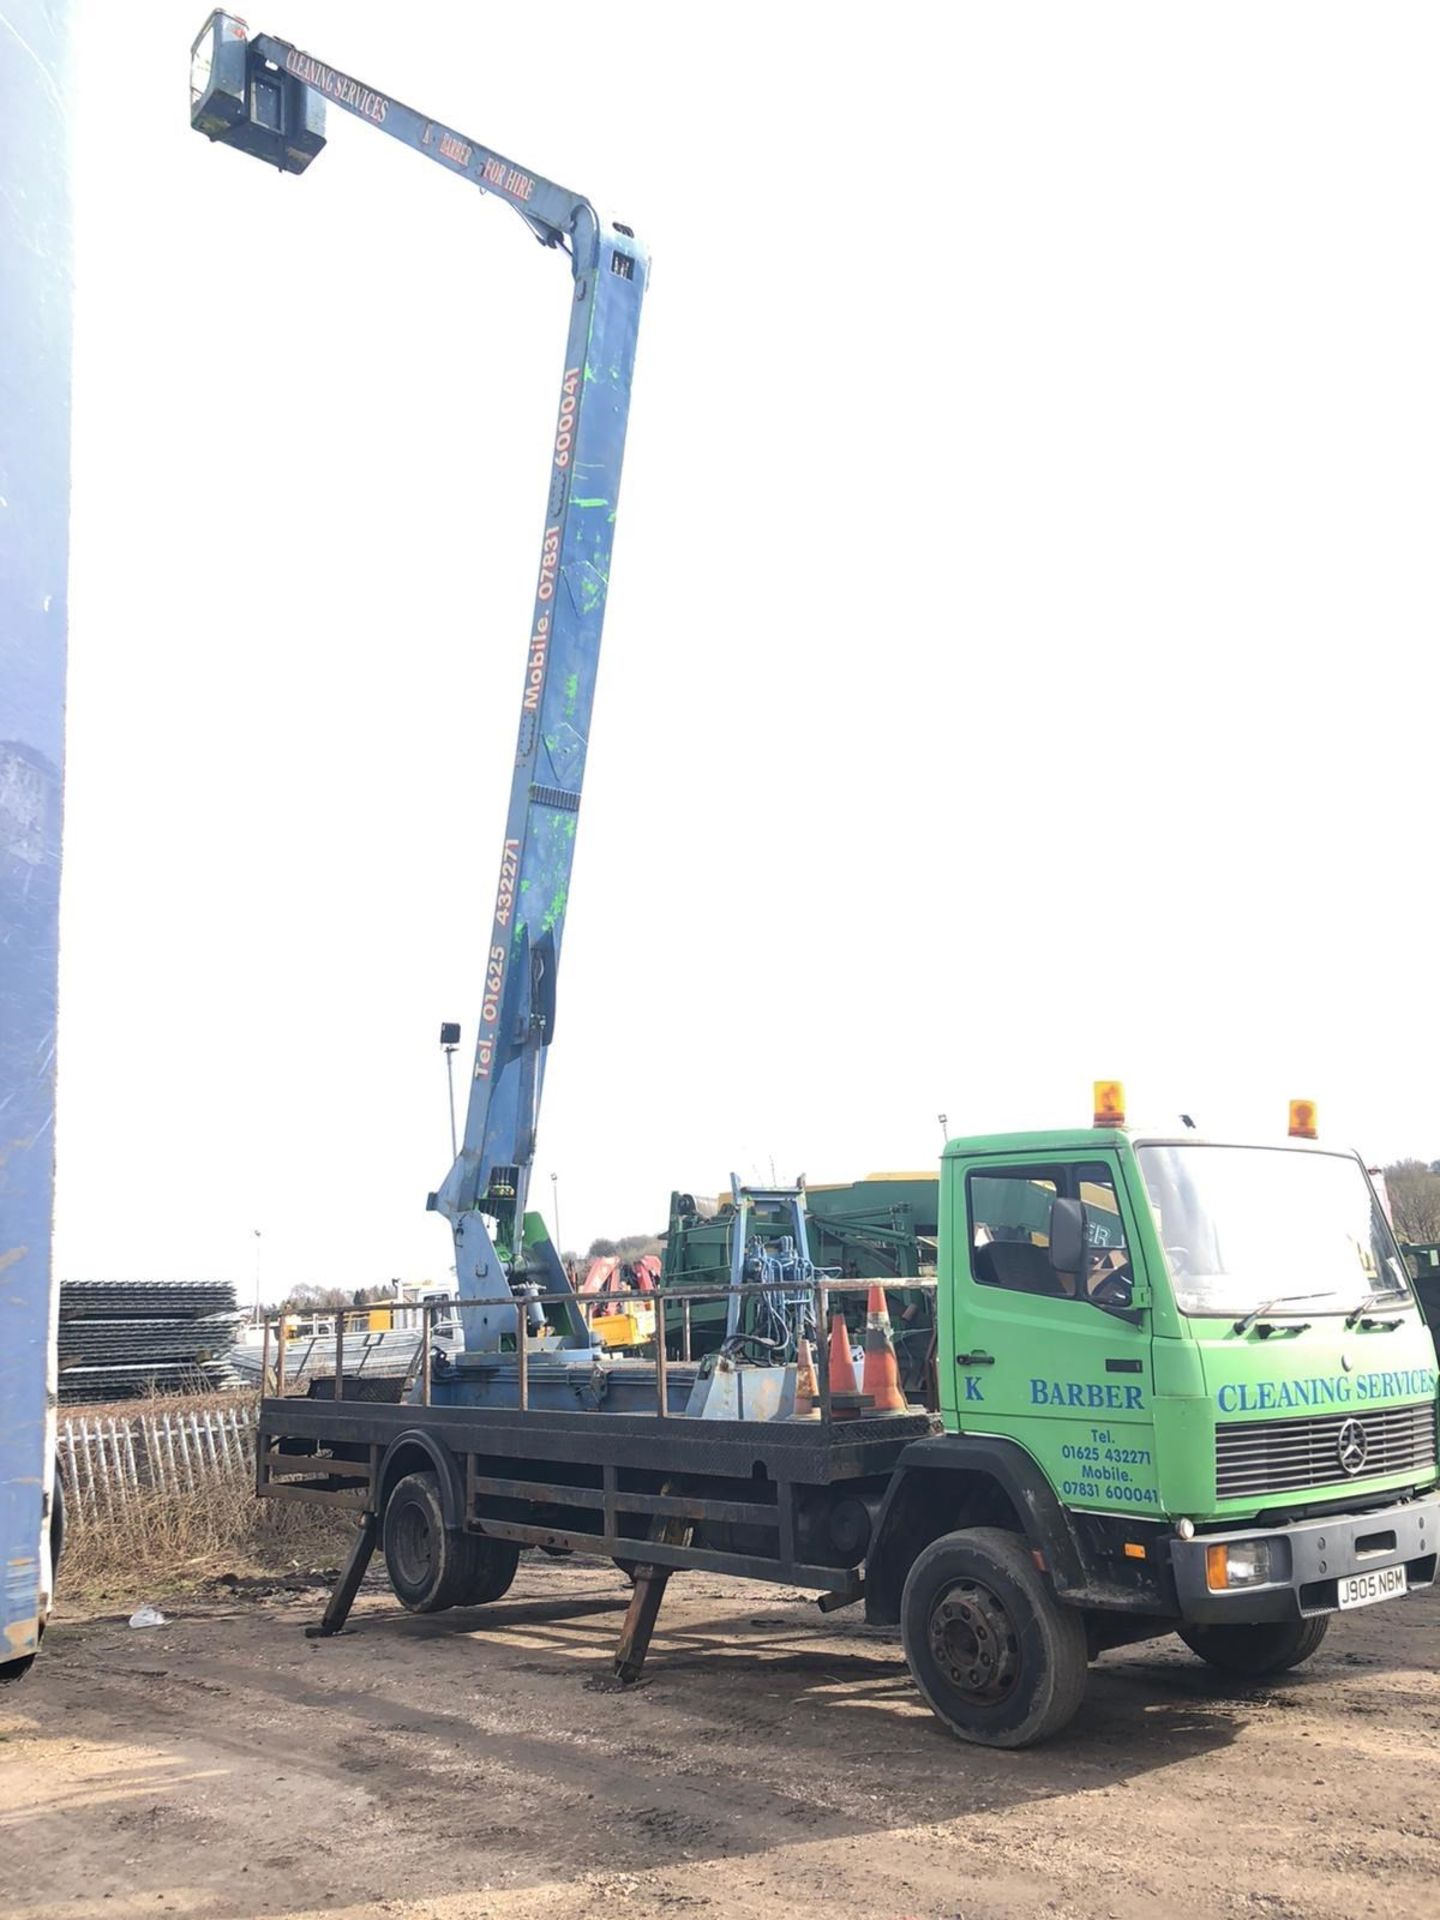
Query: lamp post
256	1232
450	1040
555	1209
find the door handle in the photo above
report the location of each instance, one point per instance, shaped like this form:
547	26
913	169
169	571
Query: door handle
980	1359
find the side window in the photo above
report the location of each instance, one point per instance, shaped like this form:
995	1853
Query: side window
1103	1226
1009	1213
1010	1229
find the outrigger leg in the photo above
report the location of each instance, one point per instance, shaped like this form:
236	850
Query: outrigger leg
650	1585
644	1608
337	1608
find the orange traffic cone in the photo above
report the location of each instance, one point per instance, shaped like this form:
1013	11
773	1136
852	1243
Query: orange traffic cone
844	1387
807	1387
881	1381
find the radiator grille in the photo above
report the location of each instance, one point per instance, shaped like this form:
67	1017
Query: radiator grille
1280	1456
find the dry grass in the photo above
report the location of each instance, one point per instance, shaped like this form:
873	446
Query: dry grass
169	1541
165	1540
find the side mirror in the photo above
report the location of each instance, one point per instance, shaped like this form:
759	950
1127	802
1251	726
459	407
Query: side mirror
1068	1246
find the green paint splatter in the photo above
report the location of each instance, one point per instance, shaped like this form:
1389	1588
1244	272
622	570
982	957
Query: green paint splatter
589	503
555	909
524	886
572	690
589	371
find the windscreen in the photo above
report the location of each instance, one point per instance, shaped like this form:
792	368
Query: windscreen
1247	1227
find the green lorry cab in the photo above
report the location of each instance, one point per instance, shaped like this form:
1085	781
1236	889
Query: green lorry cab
1192	1390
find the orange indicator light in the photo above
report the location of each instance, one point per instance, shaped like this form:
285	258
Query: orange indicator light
1109	1103
1217	1569
1302	1120
1134	1550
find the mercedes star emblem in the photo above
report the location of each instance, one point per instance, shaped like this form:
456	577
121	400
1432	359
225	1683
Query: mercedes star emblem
1351	1446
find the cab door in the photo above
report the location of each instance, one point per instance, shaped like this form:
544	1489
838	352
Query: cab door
1035	1355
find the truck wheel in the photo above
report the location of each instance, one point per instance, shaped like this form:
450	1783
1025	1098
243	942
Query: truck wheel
431	1567
1259	1647
494	1563
995	1655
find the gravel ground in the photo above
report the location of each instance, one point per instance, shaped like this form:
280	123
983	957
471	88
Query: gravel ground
773	1762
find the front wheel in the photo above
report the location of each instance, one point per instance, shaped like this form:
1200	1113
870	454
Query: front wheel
997	1658
1257	1648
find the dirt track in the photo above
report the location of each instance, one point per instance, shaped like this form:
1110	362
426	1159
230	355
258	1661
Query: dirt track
774	1762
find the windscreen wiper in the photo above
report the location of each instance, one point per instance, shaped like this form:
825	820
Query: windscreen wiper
1280	1300
1396	1296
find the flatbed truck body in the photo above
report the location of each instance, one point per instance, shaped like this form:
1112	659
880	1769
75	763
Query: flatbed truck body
760	1493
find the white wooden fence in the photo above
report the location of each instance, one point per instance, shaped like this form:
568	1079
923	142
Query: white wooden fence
108	1461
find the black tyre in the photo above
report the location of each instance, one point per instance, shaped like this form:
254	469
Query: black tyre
494	1564
16	1669
1259	1648
997	1658
431	1566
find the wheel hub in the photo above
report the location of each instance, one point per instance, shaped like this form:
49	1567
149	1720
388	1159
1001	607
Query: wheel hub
413	1547
974	1642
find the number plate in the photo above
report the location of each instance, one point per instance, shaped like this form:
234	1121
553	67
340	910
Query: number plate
1363	1589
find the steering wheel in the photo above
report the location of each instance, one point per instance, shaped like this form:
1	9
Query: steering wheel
1180	1259
1114	1290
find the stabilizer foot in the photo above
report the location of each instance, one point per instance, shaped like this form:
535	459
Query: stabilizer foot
337	1609
644	1608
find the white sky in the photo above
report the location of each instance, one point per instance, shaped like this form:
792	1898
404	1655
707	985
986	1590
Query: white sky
1021	658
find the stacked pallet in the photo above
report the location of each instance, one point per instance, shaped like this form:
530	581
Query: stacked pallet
119	1338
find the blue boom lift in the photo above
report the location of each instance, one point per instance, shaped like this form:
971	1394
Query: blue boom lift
267	98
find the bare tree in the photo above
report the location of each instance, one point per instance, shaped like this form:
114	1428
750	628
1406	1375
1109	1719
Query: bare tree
630	1246
1414	1190
309	1297
635	1246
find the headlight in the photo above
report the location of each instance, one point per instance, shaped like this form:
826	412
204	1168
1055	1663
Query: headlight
1240	1563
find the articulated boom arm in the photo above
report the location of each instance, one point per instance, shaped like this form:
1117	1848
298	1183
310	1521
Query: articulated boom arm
263	96
554	213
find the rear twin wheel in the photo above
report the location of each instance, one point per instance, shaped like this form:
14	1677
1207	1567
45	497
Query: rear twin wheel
433	1567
